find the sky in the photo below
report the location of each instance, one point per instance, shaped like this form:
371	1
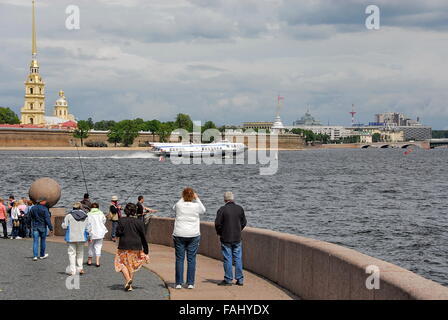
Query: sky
228	60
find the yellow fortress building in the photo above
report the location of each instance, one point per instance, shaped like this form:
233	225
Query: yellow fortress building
33	110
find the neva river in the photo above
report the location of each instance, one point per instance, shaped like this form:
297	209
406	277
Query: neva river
380	202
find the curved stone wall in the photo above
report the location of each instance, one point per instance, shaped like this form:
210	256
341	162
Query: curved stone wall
311	269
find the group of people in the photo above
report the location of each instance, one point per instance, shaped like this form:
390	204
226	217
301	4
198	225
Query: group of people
86	223
16	212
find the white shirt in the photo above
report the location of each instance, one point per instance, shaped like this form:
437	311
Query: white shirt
97	221
15	212
187	220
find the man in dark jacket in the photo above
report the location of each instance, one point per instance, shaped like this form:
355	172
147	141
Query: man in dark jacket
86	204
40	220
230	221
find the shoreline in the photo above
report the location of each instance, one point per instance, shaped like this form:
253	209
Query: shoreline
342	146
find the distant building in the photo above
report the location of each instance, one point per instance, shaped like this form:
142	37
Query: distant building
395	119
307	120
392	133
334	132
258	125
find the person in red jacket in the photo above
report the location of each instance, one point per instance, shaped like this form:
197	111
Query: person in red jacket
3	218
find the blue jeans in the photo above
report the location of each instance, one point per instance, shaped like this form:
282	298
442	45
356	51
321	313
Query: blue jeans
230	253
189	246
39	233
114	229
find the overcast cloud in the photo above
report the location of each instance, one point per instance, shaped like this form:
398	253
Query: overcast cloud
227	60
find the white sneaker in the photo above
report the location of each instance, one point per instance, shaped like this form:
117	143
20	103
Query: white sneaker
35	259
178	286
190	286
44	257
19	238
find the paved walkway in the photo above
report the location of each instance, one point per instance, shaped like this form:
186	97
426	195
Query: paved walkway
25	279
104	283
208	273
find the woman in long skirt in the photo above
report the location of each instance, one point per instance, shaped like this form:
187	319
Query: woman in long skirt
133	249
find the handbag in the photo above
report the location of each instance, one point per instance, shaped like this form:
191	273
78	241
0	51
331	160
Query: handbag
16	223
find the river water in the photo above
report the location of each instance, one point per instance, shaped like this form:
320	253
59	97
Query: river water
378	201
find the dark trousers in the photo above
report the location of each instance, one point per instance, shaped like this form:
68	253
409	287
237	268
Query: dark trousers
22	228
5	229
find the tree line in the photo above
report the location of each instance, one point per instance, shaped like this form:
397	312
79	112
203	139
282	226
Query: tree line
126	131
7	116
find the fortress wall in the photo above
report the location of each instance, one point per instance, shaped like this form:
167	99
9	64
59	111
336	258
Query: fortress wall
60	138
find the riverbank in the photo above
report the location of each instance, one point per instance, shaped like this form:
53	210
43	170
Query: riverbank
73	149
329	146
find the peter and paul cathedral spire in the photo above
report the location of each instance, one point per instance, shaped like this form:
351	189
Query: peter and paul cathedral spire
34	51
33	111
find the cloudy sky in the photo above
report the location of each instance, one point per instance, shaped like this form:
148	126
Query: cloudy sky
227	60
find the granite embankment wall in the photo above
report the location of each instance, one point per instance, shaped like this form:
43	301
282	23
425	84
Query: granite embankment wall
57	138
60	138
311	269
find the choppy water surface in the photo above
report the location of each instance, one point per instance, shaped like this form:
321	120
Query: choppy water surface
380	202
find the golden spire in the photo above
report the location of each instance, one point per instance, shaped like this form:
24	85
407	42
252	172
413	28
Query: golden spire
34	34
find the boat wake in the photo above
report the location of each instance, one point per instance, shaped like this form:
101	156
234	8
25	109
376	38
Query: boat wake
137	155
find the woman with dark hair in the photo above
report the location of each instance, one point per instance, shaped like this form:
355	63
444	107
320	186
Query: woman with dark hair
132	247
186	235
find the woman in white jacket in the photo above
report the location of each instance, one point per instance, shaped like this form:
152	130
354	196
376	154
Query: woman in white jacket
97	230
187	235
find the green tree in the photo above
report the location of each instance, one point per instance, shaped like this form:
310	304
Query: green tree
129	131
165	130
114	135
7	116
139	123
82	132
91	124
153	126
309	135
183	121
208	125
104	125
376	137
